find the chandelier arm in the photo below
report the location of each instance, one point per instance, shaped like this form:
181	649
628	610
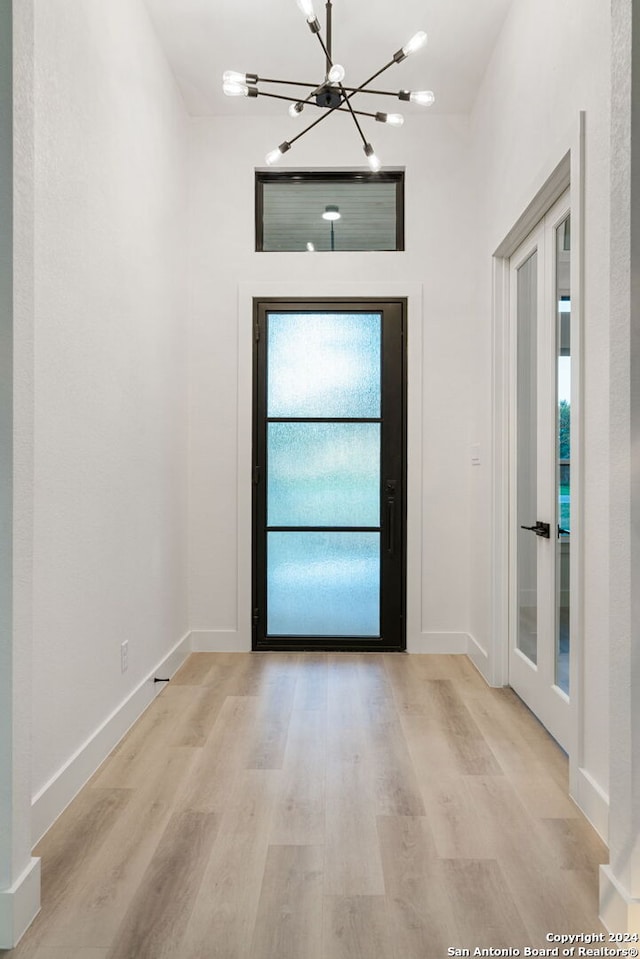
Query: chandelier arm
279	96
353	114
328	20
291	83
326	52
366	83
380	93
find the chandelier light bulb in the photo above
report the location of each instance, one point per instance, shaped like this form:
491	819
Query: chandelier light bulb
275	155
393	119
233	88
374	163
336	74
416	42
296	109
307	8
424	97
232	76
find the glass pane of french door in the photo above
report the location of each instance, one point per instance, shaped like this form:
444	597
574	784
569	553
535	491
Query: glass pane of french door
563	471
329	492
527	457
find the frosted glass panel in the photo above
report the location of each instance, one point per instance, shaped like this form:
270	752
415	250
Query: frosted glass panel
323	364
323	474
323	584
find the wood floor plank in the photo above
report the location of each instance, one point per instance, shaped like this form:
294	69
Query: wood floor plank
484	911
299	816
352	856
195	671
312	685
396	786
448	803
223	757
155	922
418	907
269	735
199	716
576	845
356	927
227	903
344	705
376	690
455	723
407	684
290	910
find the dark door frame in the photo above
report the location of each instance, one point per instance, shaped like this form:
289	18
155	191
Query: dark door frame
393	454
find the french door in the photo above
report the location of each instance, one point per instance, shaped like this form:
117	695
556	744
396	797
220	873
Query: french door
540	626
329	475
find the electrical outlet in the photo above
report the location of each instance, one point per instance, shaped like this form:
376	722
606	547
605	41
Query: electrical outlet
124	656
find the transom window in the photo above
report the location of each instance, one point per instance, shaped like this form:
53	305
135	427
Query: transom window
329	211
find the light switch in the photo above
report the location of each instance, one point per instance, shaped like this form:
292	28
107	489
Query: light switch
475	454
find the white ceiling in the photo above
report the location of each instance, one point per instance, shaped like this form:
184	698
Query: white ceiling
204	37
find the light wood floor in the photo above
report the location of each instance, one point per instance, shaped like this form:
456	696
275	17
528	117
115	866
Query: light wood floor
320	806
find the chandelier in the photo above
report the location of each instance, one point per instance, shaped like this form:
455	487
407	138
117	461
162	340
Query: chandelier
330	95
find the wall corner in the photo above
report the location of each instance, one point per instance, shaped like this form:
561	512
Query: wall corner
19	905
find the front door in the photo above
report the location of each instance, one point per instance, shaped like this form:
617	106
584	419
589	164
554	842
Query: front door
329	475
541	479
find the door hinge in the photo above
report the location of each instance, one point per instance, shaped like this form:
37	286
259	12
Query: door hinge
256	475
256	332
256	616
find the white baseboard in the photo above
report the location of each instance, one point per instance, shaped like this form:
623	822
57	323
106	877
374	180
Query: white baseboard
618	912
56	795
593	802
19	906
476	650
219	641
480	659
438	643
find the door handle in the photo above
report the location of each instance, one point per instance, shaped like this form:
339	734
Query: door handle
540	529
563	532
391	524
390	490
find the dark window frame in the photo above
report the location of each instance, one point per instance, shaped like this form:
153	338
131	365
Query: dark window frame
327	176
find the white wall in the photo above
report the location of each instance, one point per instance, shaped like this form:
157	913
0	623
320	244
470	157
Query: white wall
19	872
620	881
224	154
110	369
6	445
552	61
